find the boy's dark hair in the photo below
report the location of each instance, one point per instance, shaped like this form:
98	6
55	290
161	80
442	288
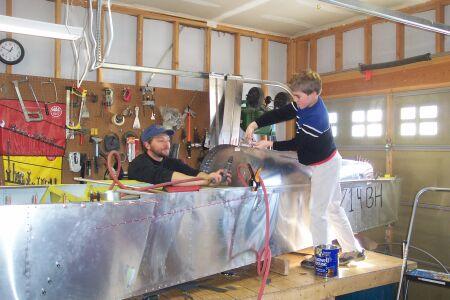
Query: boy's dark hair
306	81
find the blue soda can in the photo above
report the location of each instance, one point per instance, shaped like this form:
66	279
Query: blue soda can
326	261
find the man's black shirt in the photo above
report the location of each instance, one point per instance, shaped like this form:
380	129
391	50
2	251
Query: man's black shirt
146	169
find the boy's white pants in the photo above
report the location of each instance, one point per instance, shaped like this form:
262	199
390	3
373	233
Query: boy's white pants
325	206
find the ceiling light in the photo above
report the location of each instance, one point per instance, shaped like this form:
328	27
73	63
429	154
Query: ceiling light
38	28
391	15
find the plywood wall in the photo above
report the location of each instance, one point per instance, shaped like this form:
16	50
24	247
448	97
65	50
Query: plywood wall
170	97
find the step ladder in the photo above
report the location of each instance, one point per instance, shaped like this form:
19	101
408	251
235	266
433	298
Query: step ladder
424	276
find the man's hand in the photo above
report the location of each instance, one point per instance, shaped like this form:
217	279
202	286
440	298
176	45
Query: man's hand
250	130
263	144
216	177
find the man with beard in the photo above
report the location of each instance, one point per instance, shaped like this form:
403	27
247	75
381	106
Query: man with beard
155	166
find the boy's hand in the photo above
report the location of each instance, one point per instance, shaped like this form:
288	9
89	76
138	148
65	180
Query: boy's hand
263	144
249	131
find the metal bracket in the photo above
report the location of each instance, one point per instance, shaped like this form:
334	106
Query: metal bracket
30	116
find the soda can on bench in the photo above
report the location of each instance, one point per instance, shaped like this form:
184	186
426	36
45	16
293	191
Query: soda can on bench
326	262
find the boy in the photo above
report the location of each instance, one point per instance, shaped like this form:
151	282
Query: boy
315	147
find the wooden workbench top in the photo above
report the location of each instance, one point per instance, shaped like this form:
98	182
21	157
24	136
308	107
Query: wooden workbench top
300	283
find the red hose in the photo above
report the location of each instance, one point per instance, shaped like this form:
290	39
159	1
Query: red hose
263	257
113	174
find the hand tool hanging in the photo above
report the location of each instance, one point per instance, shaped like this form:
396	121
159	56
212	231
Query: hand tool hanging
108	99
148	99
188	132
131	141
44	98
30	116
136	122
96	141
126	94
72	91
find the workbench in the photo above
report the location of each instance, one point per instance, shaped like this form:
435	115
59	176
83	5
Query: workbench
243	283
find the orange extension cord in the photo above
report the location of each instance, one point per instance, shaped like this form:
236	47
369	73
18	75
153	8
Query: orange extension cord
263	257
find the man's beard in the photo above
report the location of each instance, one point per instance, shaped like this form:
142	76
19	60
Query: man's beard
161	153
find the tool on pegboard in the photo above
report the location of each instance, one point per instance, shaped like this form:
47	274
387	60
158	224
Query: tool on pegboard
119	119
96	140
44	98
136	122
30	116
189	115
148	100
70	124
131	141
126	94
108	99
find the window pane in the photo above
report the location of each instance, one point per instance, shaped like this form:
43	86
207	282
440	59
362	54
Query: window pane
408	113
332	117
374	129
374	115
358	130
358	116
428	128
428	112
408	129
334	130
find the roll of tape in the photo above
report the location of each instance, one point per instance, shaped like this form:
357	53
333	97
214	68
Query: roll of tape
118	120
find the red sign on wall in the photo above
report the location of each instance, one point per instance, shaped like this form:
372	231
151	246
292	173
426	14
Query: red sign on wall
41	138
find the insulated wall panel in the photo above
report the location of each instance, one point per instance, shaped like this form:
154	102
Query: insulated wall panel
250	60
39	51
353	48
192	51
277	72
383	42
419	41
222	52
123	50
326	54
157	51
78	16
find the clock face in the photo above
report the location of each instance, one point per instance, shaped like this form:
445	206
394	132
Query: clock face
11	51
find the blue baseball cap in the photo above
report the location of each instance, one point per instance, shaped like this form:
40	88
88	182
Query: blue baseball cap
153	131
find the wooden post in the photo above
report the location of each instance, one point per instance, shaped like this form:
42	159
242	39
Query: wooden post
400	38
389	131
57	70
265	64
139	47
291	68
368	43
207	66
9	35
291	59
440	18
237	54
339	50
313	54
175	51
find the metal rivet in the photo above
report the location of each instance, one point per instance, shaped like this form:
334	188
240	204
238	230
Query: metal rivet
49	280
43	292
58	265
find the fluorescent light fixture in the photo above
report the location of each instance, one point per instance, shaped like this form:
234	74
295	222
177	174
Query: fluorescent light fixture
391	15
38	28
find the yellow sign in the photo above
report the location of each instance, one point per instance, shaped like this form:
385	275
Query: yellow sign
32	170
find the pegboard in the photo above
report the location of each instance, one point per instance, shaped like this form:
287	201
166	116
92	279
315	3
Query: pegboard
163	96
